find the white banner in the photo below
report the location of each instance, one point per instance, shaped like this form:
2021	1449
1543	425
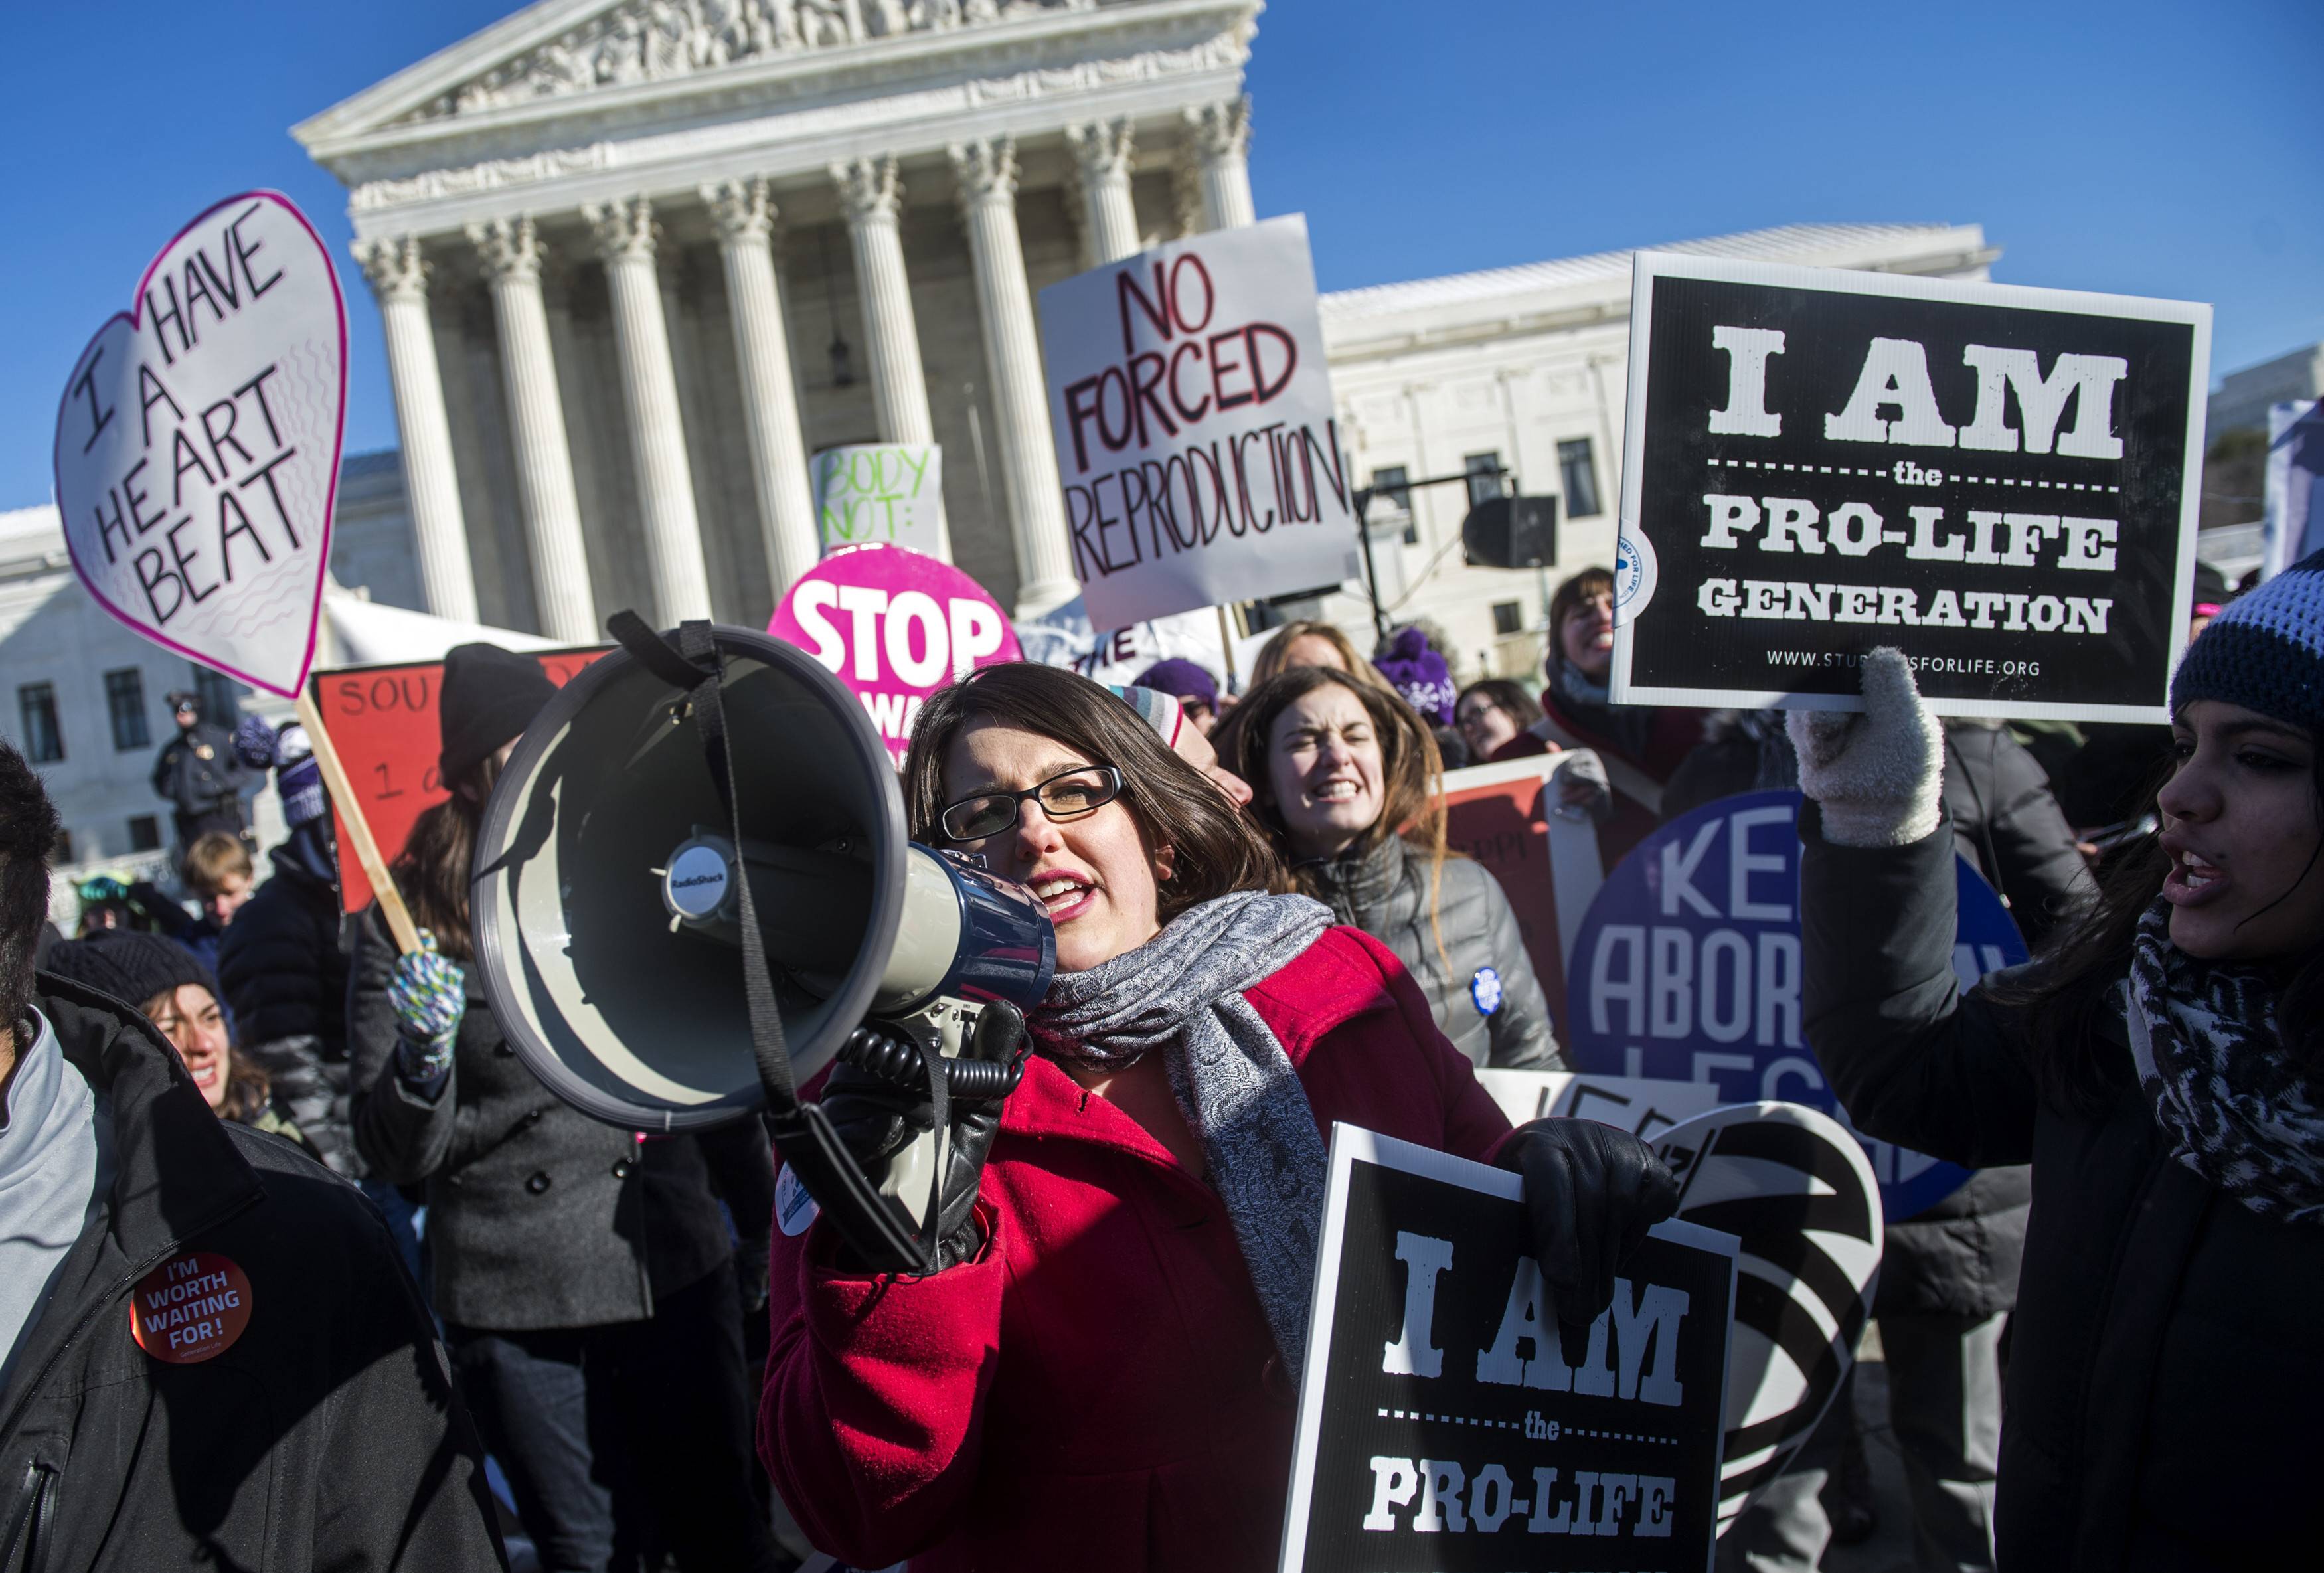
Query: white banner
889	494
197	444
1201	457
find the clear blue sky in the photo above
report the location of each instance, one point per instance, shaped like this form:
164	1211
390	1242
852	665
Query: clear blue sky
2140	148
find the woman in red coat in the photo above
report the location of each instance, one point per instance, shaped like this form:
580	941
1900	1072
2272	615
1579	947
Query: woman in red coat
1103	1372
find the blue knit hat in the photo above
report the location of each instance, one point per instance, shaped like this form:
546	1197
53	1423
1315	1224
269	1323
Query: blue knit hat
2263	651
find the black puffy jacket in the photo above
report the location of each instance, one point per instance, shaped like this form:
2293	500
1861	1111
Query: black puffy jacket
285	977
1501	1021
324	1437
2165	1374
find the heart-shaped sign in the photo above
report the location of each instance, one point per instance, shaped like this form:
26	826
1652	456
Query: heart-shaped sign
197	444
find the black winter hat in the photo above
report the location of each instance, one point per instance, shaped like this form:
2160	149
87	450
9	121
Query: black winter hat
490	697
128	965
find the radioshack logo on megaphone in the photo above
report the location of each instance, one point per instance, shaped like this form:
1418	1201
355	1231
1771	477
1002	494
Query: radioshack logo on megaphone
699	876
894	626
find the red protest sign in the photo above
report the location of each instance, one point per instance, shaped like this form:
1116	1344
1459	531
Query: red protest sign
383	719
1504	817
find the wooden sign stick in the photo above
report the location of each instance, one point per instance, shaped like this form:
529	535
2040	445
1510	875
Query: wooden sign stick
343	799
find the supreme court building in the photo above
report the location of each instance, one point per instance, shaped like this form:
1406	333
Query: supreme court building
638	260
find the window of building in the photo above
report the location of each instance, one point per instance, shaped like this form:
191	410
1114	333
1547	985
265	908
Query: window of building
1508	617
145	833
1580	473
36	708
221	698
1389	486
1484	471
124	703
61	853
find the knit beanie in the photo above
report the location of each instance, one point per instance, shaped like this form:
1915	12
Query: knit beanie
130	966
2263	651
1420	674
489	696
1156	709
1182	680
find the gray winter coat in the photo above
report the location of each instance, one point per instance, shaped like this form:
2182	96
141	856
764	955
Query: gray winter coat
538	1216
1487	1002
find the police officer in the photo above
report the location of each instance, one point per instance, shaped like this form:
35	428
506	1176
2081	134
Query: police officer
200	773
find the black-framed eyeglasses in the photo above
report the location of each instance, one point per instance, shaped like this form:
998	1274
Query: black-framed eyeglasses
1069	794
1474	714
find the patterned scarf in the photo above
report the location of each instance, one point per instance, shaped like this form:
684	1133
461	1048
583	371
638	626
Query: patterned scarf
2238	1108
1181	992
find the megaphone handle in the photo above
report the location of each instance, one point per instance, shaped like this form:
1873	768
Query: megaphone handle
351	815
802	1132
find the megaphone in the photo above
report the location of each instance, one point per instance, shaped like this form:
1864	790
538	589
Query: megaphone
693	884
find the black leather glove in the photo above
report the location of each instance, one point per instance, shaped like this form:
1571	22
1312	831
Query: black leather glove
1593	1191
877	1118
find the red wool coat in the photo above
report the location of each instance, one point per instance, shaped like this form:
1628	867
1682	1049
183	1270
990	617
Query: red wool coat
1099	1389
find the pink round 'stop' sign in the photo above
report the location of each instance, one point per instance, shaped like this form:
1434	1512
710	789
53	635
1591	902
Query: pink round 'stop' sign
895	626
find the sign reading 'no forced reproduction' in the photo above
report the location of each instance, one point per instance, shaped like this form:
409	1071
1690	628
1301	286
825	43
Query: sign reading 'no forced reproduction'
1445	1422
1998	480
1195	438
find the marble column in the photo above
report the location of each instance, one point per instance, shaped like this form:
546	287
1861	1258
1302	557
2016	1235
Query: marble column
746	221
511	253
1102	157
987	173
626	235
399	278
1221	134
873	198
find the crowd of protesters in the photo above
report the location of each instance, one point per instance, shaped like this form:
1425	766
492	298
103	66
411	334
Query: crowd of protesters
1265	868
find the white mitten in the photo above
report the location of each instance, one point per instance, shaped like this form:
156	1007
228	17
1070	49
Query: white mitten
1878	773
1583	788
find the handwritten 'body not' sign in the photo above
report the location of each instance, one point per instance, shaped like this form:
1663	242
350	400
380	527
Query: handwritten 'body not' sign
197	444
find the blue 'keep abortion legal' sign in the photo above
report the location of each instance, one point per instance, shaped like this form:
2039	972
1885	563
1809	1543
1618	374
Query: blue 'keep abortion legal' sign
1688	968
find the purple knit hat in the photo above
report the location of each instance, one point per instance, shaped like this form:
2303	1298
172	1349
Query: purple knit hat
1420	674
1182	680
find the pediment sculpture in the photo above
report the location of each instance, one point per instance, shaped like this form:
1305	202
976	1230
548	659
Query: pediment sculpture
645	41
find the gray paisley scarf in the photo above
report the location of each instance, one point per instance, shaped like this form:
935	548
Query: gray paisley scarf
2238	1109
1181	992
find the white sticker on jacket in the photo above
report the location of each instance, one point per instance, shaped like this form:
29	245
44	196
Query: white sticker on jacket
1485	990
794	1207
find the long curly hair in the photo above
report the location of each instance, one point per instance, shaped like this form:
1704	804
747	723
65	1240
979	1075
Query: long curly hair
1411	774
437	862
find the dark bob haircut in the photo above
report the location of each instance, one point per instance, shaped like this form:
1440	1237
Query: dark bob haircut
1216	847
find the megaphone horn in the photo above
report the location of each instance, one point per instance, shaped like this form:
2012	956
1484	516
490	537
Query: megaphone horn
693	885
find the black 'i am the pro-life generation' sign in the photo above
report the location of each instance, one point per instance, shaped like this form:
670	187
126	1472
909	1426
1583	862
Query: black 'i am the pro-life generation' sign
1445	1420
2000	482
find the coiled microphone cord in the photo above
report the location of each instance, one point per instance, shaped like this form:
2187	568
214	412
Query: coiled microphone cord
898	1059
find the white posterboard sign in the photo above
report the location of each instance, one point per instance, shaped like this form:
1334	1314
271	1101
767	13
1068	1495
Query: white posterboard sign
1196	441
2000	482
1645	1105
1444	1422
197	444
880	493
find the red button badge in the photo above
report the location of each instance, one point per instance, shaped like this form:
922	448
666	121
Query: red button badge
189	1309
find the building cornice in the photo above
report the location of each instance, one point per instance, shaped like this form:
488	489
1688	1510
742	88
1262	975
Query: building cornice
389	130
